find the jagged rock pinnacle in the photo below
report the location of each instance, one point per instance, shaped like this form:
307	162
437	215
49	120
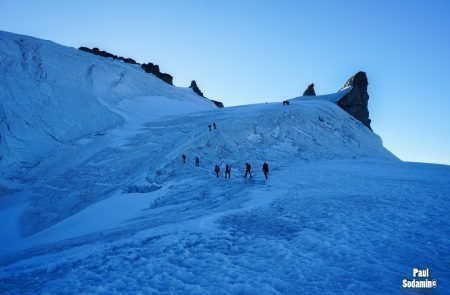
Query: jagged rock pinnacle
310	90
356	101
195	88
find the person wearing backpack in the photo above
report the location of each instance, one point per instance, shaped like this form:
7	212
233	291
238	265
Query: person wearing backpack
265	169
228	171
197	161
217	170
248	170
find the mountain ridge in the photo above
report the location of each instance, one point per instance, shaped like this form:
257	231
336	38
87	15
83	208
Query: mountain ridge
85	104
95	196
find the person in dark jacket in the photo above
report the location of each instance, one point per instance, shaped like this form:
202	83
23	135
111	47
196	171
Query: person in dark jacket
209	126
217	170
265	169
228	171
214	125
248	170
197	162
183	157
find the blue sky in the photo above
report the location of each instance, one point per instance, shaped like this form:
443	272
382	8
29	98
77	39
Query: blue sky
244	52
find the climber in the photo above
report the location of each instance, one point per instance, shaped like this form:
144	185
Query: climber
228	171
183	157
265	169
217	170
248	169
214	125
197	162
209	126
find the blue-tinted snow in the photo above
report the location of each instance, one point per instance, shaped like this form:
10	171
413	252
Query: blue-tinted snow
115	211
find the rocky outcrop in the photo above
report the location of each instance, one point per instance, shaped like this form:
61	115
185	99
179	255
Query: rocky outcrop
148	68
195	88
217	103
154	69
106	54
356	101
310	90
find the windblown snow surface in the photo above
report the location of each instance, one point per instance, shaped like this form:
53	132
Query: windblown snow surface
96	200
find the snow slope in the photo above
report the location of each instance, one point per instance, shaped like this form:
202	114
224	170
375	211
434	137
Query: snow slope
51	95
97	167
118	212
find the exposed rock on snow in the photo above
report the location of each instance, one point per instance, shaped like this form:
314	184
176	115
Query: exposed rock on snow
106	54
154	69
352	98
356	101
148	67
195	88
310	90
217	103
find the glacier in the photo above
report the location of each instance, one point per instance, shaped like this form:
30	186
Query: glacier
94	197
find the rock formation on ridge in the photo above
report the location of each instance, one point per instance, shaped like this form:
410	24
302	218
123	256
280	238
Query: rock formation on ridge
356	101
154	69
195	88
310	90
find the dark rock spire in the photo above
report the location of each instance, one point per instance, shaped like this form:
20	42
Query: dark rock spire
356	101
195	88
310	90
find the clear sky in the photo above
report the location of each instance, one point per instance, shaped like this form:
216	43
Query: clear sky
242	52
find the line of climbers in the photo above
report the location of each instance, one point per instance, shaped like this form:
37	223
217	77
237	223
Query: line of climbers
248	168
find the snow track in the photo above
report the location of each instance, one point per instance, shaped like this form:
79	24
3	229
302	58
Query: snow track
322	222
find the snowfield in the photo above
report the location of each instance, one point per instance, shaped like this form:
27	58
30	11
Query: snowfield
94	197
53	95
